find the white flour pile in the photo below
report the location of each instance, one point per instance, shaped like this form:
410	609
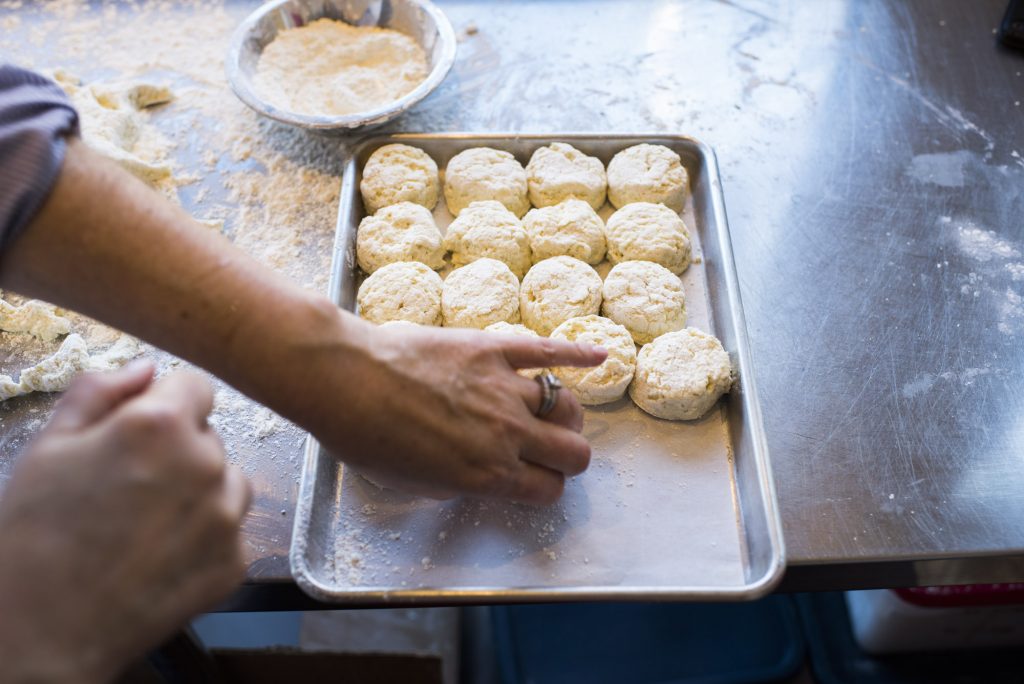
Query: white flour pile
331	68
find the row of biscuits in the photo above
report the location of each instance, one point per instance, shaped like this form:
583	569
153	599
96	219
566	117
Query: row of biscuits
640	231
642	173
646	299
678	374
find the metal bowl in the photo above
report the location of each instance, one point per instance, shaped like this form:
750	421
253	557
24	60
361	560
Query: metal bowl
417	18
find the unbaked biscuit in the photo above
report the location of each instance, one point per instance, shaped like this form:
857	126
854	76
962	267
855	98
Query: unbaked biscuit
402	291
647	173
517	329
644	297
487	229
607	382
556	290
399	173
400	232
681	375
559	172
648	232
479	294
483	173
570	228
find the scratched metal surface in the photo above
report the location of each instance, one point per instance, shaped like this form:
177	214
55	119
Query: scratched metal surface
871	154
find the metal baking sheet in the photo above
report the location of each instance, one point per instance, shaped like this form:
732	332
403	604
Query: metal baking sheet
667	510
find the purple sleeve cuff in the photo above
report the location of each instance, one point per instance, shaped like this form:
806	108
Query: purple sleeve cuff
35	119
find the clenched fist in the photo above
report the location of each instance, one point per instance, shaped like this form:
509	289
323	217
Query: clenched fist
118	524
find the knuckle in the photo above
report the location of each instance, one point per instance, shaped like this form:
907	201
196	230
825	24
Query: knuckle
553	493
549	349
153	419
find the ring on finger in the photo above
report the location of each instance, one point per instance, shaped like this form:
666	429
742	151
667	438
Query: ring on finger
549	386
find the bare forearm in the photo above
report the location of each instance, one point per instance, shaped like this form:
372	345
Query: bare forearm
107	246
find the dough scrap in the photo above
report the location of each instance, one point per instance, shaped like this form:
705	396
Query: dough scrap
556	290
559	172
647	173
400	232
644	297
399	173
517	329
484	173
570	228
479	294
607	382
402	291
111	124
35	318
55	372
487	229
680	375
648	232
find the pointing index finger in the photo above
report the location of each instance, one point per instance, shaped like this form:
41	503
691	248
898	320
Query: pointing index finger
528	352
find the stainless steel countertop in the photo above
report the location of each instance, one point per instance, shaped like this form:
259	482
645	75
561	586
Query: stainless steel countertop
873	162
872	155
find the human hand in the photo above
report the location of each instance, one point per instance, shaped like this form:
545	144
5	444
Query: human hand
119	523
441	412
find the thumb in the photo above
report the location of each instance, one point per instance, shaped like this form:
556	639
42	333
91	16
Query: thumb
93	395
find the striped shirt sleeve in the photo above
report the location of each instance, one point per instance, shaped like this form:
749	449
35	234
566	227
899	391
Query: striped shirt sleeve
35	120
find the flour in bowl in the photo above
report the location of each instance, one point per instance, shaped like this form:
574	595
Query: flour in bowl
330	68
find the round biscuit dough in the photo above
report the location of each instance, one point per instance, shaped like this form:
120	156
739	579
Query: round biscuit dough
559	172
487	229
644	297
479	294
483	173
648	232
607	382
681	375
647	173
403	291
570	228
400	232
521	330
399	173
556	290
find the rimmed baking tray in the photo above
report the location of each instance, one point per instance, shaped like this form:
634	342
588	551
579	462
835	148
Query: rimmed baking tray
667	510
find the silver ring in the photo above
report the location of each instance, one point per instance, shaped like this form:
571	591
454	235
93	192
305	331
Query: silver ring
549	386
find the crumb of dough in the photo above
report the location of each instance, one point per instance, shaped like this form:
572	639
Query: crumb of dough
35	318
330	68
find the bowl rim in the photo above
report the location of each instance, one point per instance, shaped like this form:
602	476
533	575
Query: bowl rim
242	87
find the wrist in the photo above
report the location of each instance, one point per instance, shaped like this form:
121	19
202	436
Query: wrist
297	358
